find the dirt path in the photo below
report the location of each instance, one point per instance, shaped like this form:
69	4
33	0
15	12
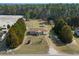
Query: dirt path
52	50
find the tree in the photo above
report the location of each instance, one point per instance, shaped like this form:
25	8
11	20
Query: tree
73	21
66	34
15	34
59	25
8	26
27	15
63	31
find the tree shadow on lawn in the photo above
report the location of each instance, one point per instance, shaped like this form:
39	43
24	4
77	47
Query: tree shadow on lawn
75	35
55	39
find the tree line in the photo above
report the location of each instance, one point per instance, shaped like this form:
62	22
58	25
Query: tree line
43	11
40	10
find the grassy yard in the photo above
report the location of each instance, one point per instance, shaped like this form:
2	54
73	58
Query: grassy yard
38	45
33	23
68	49
72	48
35	47
32	49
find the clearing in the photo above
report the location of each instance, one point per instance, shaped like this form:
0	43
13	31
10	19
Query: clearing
38	44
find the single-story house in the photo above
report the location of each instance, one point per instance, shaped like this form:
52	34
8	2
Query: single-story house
37	31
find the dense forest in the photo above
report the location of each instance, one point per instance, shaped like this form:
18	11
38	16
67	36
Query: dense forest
45	11
40	10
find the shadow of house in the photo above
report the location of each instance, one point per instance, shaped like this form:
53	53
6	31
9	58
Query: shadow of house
57	41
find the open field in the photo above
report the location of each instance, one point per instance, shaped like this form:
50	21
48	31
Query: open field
38	44
35	47
43	44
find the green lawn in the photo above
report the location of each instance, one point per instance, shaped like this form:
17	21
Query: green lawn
38	44
34	47
72	48
69	48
